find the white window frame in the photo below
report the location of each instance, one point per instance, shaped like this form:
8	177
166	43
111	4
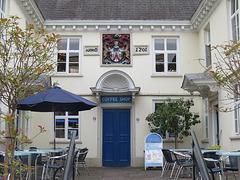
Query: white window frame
154	105
66	117
208	46
3	8
206	118
166	52
234	15
67	51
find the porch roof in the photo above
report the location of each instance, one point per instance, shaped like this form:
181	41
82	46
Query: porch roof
203	83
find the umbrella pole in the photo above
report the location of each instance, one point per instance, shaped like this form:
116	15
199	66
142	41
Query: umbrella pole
54	141
54	126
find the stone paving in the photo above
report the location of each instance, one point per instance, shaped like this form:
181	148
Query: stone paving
127	173
122	173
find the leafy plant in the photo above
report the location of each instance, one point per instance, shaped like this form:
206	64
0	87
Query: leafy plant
173	116
216	147
25	55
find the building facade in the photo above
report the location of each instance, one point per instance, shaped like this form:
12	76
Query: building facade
129	56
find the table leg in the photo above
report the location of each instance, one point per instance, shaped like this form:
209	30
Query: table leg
29	165
238	167
222	166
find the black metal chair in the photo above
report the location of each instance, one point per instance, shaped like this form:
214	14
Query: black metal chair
213	163
231	168
81	159
52	166
186	163
168	155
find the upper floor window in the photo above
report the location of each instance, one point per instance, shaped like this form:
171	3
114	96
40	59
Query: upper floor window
2	8
208	46
69	55
234	20
166	55
66	124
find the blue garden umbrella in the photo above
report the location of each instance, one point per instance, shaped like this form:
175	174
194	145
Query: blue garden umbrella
54	99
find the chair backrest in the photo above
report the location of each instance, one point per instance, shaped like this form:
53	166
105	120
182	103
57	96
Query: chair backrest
233	162
82	155
167	155
24	159
212	155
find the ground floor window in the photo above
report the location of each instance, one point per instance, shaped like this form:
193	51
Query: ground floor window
237	118
66	124
164	135
206	122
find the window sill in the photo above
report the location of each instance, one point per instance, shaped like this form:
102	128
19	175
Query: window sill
172	141
166	75
68	75
116	65
65	142
236	137
205	141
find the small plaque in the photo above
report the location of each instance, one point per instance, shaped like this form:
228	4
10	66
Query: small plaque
91	51
141	50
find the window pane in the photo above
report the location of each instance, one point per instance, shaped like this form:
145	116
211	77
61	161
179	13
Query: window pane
72	123
61	67
74	44
159	67
60	123
61	57
157	105
234	6
70	132
73	113
159	44
62	44
171	57
60	113
73	68
172	67
208	55
73	57
60	133
159	57
171	44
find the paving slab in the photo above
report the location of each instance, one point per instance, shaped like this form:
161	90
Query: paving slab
123	173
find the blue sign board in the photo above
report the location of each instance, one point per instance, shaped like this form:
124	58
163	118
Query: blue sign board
153	151
116	99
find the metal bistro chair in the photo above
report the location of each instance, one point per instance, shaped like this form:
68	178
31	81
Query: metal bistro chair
50	164
231	168
187	163
36	161
213	164
81	159
168	155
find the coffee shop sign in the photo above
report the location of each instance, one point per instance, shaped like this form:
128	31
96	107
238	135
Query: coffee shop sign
116	99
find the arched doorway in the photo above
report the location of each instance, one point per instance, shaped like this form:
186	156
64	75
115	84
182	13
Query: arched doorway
115	91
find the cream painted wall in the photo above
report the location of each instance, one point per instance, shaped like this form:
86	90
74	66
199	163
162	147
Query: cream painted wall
220	30
141	72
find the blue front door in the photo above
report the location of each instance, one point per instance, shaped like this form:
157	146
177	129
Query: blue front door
116	137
